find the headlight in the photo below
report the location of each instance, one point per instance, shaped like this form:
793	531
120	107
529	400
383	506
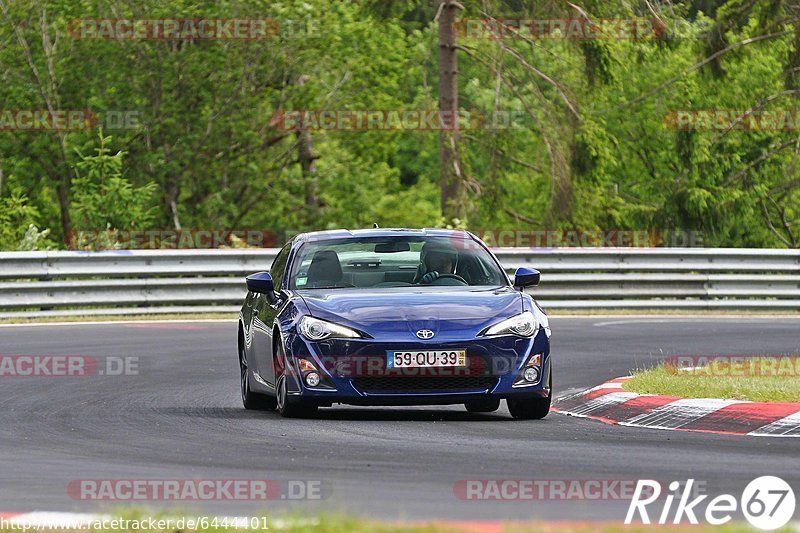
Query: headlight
315	329
522	325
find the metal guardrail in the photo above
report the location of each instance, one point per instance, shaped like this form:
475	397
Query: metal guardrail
186	281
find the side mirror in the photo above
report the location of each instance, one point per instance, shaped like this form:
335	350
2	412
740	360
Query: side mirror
526	277
261	283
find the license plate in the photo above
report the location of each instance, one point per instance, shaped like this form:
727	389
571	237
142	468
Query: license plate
427	359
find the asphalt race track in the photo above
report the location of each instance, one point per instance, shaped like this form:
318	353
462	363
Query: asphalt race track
181	417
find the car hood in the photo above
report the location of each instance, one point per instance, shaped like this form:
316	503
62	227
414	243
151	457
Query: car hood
409	309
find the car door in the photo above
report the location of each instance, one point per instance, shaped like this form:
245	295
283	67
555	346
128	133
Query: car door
265	310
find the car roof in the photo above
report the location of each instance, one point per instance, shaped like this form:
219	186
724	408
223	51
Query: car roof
381	232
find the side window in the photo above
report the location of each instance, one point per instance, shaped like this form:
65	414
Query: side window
278	267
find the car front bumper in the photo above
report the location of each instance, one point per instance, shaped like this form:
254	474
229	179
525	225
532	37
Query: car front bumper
495	364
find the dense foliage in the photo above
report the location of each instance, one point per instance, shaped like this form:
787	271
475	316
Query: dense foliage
592	144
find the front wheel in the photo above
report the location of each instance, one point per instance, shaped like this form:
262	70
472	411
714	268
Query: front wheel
286	407
532	408
296	409
250	399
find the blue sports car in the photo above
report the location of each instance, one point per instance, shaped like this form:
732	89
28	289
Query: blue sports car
393	317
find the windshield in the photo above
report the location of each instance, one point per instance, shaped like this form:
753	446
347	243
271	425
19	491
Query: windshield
401	261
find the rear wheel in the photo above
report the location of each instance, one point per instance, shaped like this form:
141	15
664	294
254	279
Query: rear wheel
250	399
483	406
287	407
531	408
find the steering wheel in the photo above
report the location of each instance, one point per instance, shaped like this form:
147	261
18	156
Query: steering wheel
451	276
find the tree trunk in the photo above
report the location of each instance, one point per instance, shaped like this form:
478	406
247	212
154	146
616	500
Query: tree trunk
792	81
306	158
47	88
171	202
308	167
450	180
63	205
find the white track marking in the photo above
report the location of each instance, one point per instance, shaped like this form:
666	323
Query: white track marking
613	398
788	426
118	322
678	413
687	319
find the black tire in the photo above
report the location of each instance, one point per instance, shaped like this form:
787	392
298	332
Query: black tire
252	400
290	408
531	408
483	406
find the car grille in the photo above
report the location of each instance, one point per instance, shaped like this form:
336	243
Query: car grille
424	384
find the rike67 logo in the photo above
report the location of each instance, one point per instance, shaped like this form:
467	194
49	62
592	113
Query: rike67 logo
768	503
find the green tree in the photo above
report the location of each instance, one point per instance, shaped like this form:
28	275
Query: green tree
107	201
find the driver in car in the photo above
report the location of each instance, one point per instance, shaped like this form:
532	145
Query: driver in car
437	261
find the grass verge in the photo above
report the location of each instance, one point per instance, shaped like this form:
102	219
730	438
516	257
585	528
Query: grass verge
757	379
